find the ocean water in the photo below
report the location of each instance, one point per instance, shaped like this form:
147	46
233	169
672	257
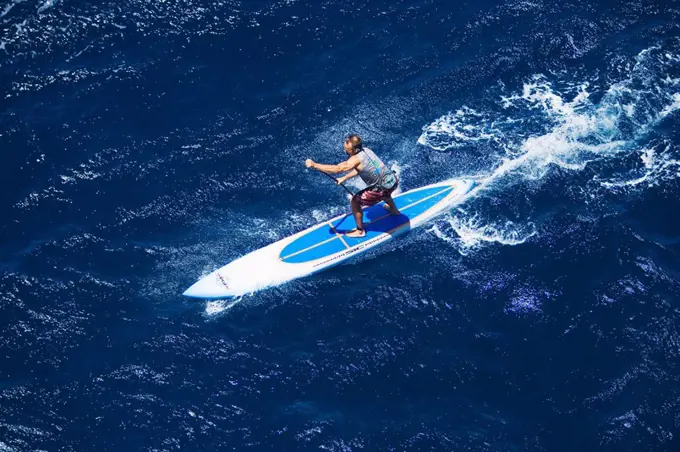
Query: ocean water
145	143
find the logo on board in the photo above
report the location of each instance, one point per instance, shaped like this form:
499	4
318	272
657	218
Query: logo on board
222	280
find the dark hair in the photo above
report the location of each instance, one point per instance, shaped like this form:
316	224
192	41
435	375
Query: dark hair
355	139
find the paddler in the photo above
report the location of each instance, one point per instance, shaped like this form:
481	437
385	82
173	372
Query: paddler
380	180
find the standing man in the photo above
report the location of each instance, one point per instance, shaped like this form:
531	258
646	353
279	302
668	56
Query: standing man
380	180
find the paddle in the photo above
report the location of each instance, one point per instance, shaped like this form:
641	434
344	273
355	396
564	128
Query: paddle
336	182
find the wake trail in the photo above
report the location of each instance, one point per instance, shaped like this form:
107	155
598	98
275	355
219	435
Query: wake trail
553	123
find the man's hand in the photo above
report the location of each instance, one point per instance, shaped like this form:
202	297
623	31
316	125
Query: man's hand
309	163
346	177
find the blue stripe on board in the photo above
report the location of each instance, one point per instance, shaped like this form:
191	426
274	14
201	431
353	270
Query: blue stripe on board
310	239
376	222
414	195
328	248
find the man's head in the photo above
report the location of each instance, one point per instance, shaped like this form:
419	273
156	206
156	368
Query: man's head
353	144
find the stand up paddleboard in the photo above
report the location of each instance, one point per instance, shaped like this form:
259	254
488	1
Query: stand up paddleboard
325	245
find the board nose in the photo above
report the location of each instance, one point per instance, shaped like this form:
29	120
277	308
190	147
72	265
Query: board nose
208	287
193	291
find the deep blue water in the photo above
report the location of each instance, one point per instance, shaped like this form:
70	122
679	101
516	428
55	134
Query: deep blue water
144	144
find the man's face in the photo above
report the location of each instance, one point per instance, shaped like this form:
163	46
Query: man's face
348	146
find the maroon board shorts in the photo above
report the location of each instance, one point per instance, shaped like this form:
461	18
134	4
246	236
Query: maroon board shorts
370	196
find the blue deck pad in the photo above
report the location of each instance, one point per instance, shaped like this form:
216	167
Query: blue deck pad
325	241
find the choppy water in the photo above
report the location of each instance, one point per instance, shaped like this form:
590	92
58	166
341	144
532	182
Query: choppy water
146	143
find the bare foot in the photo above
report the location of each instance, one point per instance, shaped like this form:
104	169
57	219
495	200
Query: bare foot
390	210
356	233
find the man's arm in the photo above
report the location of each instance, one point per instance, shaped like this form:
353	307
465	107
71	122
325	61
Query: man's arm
347	176
348	165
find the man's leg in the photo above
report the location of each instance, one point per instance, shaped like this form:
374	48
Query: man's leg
358	219
391	206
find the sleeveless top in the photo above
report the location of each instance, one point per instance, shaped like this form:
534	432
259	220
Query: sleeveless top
374	172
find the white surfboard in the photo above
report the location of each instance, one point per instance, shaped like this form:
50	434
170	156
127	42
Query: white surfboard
325	245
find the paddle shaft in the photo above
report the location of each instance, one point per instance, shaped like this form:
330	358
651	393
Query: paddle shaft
336	181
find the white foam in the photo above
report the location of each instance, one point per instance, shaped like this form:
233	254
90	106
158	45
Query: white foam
553	123
398	170
539	93
9	7
219	306
462	127
472	232
657	166
47	5
671	107
647	157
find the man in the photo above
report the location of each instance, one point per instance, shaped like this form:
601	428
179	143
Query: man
380	180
